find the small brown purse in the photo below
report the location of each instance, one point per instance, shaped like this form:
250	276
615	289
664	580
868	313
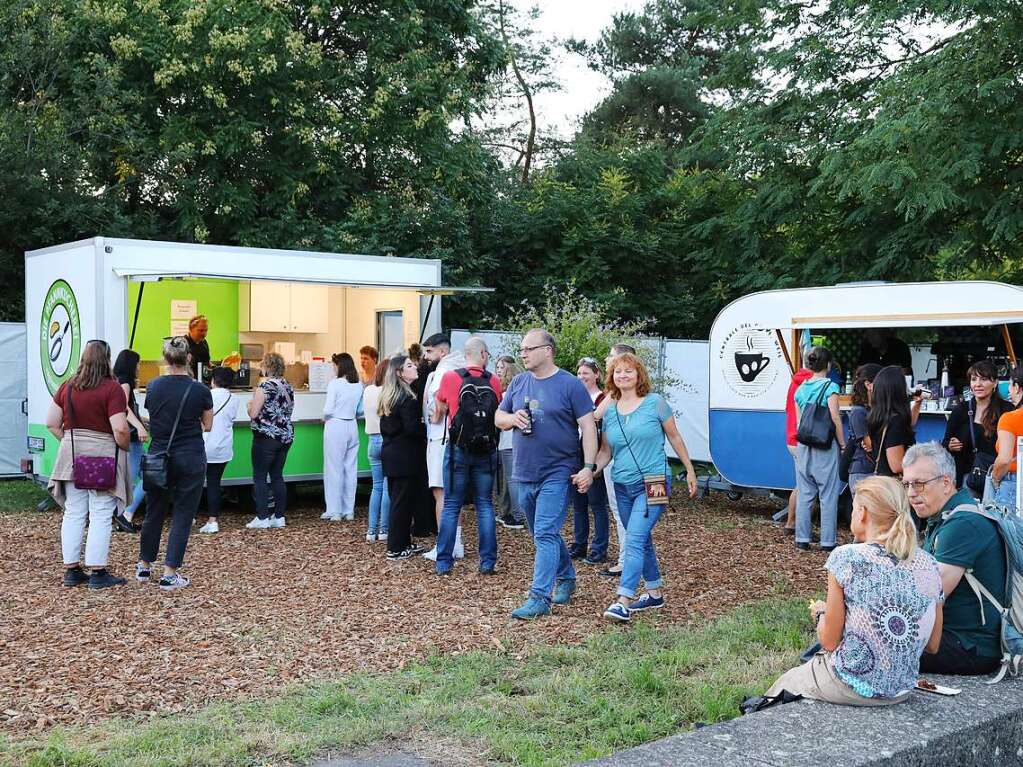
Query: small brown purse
656	485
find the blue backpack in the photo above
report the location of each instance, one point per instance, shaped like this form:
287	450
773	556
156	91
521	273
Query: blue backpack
1010	529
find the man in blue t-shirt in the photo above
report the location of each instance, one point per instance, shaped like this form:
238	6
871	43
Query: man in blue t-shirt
548	408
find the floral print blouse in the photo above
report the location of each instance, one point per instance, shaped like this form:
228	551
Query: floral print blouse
274	419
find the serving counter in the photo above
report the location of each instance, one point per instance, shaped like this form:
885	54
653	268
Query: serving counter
305	459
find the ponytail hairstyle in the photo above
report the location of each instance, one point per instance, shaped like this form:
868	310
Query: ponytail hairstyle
395	389
819	359
885	500
864	374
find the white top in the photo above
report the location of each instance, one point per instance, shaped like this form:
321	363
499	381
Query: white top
453	361
505	439
220	439
343	400
370	401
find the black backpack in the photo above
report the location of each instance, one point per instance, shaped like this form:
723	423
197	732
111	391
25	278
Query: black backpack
472	428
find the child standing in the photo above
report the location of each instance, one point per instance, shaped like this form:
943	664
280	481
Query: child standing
219	444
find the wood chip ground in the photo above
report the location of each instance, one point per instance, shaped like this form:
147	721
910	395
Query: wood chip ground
268	608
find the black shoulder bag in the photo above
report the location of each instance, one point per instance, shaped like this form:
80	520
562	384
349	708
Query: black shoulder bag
816	429
982	462
154	465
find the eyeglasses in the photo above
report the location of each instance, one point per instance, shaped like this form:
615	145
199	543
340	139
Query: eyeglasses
587	361
919	485
528	349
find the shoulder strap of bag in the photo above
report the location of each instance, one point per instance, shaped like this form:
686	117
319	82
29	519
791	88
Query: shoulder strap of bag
71	411
969	426
177	418
625	436
222	406
877	460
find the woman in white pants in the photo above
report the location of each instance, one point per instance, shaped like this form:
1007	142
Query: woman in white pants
88	417
341	440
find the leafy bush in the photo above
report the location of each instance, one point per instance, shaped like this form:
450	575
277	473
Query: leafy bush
582	327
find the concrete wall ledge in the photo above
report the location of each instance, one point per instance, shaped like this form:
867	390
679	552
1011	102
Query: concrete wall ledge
980	727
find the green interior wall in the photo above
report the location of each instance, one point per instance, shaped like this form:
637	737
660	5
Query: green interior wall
217	299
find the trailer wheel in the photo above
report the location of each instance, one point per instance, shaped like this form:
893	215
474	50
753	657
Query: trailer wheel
46	504
733	495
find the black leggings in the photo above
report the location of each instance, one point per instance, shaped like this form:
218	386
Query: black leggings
214	502
268	456
953	658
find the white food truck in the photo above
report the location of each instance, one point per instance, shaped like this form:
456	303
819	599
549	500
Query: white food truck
305	305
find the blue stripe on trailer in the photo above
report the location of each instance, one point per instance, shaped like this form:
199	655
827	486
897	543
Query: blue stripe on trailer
748	448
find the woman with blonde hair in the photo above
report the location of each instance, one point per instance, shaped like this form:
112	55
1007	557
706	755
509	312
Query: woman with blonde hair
883	608
270	409
509	513
402	452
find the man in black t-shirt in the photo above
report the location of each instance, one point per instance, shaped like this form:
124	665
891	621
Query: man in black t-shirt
198	327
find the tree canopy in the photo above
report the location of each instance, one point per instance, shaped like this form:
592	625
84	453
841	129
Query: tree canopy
744	145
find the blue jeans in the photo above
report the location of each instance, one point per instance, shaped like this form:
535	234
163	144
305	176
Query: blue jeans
1005	495
135	464
545	504
595	500
379	500
640	557
462	470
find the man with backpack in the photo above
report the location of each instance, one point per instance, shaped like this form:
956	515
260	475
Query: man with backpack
971	560
469	397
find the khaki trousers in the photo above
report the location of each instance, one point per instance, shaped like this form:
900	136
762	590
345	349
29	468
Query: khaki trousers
815	679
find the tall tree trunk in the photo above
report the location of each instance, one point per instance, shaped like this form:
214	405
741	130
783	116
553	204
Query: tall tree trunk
527	153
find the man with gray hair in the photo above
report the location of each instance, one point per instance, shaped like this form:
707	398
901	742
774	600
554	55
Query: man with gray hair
961	542
468	397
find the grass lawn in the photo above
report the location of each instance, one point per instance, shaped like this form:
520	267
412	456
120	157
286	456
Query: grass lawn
543	706
18	496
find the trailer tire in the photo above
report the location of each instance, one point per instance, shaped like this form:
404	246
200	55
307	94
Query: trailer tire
733	495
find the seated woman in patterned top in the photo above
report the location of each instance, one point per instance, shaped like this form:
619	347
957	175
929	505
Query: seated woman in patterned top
883	608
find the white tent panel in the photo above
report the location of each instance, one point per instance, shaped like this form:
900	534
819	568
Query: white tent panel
13	391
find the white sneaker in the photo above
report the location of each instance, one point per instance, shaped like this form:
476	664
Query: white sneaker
371	538
459	550
431	554
210	527
260	524
334	518
325	515
382	537
277	522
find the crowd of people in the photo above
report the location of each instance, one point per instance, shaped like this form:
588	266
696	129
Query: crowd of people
918	588
444	431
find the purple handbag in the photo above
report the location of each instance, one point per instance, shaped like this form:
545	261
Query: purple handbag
91	472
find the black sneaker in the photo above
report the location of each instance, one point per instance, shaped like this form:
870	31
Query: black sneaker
407	553
123	525
488	571
74	576
508	521
576	554
802	546
101	579
592	560
828	548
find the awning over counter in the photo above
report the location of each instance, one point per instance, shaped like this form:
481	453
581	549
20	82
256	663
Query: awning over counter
152	275
921	320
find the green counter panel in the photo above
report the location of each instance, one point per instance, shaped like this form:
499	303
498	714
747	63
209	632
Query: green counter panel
305	459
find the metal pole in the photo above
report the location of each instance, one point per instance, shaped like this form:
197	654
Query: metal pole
135	322
426	318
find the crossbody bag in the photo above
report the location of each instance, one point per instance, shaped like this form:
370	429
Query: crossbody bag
154	464
656	485
91	472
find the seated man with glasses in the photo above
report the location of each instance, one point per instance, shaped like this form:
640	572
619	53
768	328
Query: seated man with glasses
961	542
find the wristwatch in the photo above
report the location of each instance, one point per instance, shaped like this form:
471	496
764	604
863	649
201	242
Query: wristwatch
590	466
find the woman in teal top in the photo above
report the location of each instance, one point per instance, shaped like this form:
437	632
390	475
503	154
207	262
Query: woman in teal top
634	428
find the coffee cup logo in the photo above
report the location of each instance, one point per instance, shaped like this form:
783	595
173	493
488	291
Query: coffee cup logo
746	357
750	363
60	335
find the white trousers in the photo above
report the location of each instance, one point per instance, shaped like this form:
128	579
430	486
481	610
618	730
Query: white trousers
340	466
612	501
96	507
